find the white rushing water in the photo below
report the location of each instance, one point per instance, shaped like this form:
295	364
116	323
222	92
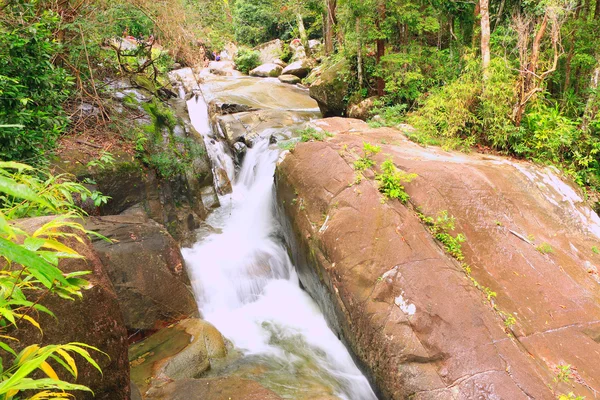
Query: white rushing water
247	287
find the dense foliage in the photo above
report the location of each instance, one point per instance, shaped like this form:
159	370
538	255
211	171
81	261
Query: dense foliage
246	59
520	78
32	88
31	271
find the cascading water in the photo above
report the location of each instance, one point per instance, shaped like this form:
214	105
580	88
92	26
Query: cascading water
247	287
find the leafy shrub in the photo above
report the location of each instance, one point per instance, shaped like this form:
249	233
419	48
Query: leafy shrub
310	134
32	89
162	117
247	59
158	147
550	135
391	181
31	266
449	111
366	160
27	192
126	17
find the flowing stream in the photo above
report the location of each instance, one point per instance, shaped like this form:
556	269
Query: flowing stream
248	288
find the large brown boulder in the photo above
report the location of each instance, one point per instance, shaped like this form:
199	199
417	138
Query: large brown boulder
181	351
416	321
180	202
330	89
147	270
94	320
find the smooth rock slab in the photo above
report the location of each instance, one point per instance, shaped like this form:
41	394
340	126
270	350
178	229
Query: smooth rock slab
407	309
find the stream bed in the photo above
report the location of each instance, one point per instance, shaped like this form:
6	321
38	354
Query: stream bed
247	287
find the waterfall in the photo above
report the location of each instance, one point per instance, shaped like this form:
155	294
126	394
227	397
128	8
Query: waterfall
223	167
247	287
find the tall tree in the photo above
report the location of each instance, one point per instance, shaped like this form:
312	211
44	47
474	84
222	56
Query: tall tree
329	25
485	36
380	43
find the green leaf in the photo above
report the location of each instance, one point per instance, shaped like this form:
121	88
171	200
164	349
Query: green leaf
45	272
19	190
7	348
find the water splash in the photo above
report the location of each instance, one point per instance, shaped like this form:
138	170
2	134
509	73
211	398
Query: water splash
247	287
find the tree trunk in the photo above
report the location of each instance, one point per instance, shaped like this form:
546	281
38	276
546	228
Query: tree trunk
303	36
476	25
597	10
592	104
359	57
485	37
499	15
380	42
329	22
528	73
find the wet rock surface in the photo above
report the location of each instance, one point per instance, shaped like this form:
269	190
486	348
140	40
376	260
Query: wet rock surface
415	321
213	389
147	270
181	202
178	352
257	107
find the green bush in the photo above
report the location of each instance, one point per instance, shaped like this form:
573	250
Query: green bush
32	89
246	59
391	181
31	272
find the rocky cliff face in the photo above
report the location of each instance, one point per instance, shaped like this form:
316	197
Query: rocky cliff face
423	324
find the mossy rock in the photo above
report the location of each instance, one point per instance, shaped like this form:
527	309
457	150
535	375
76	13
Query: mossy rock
144	82
330	89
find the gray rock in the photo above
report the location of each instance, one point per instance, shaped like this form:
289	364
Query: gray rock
297	68
267	71
239	150
291	79
280	62
363	109
270	50
330	90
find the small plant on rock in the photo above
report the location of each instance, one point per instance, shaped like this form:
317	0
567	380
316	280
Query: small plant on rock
310	134
366	161
545	248
391	181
